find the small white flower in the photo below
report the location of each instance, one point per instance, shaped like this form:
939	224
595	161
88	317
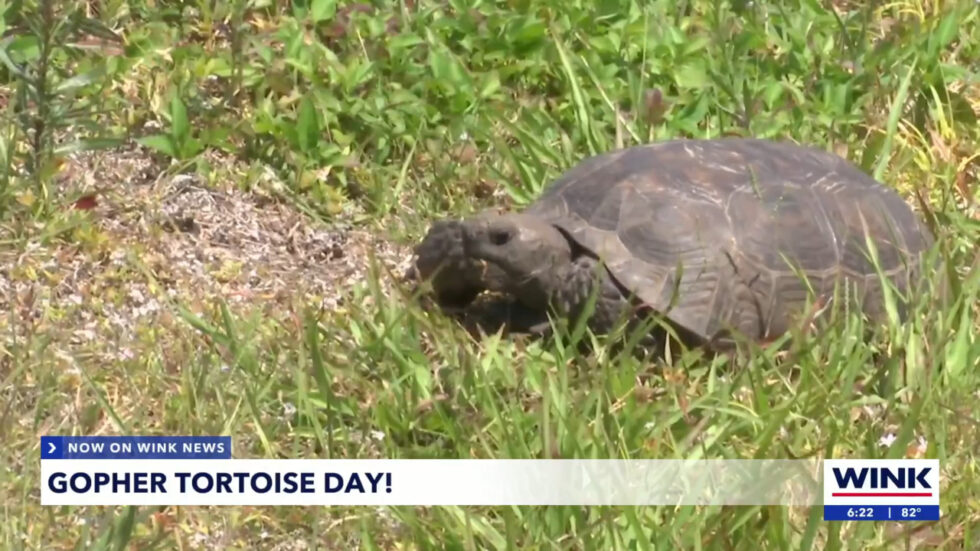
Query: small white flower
921	445
180	179
136	295
288	409
377	435
887	440
149	307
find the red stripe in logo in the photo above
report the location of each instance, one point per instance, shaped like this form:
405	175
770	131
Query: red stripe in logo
881	494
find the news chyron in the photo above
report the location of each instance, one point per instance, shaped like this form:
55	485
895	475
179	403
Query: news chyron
200	471
881	489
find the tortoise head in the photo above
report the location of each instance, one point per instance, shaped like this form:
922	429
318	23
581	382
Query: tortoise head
525	255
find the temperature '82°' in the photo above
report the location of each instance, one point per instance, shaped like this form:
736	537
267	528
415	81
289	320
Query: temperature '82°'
911	512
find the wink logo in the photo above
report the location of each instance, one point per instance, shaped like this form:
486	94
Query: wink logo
883	478
881	489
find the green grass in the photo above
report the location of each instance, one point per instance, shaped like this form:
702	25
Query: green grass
403	112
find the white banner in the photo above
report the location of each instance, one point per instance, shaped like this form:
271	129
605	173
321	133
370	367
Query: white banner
881	482
429	482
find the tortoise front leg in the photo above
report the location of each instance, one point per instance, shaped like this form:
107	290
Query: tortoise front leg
614	307
584	276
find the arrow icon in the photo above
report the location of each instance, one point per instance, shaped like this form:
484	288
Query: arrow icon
50	448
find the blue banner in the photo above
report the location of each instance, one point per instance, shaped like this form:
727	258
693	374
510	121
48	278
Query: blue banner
881	512
135	447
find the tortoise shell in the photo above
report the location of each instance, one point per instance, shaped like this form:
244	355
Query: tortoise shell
736	233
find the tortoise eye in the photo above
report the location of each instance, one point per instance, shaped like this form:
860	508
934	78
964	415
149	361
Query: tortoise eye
499	237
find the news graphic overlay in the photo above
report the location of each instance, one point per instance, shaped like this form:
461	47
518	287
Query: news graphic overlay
135	447
199	470
881	489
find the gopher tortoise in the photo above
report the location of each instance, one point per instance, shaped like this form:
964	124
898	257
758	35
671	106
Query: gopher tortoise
719	238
